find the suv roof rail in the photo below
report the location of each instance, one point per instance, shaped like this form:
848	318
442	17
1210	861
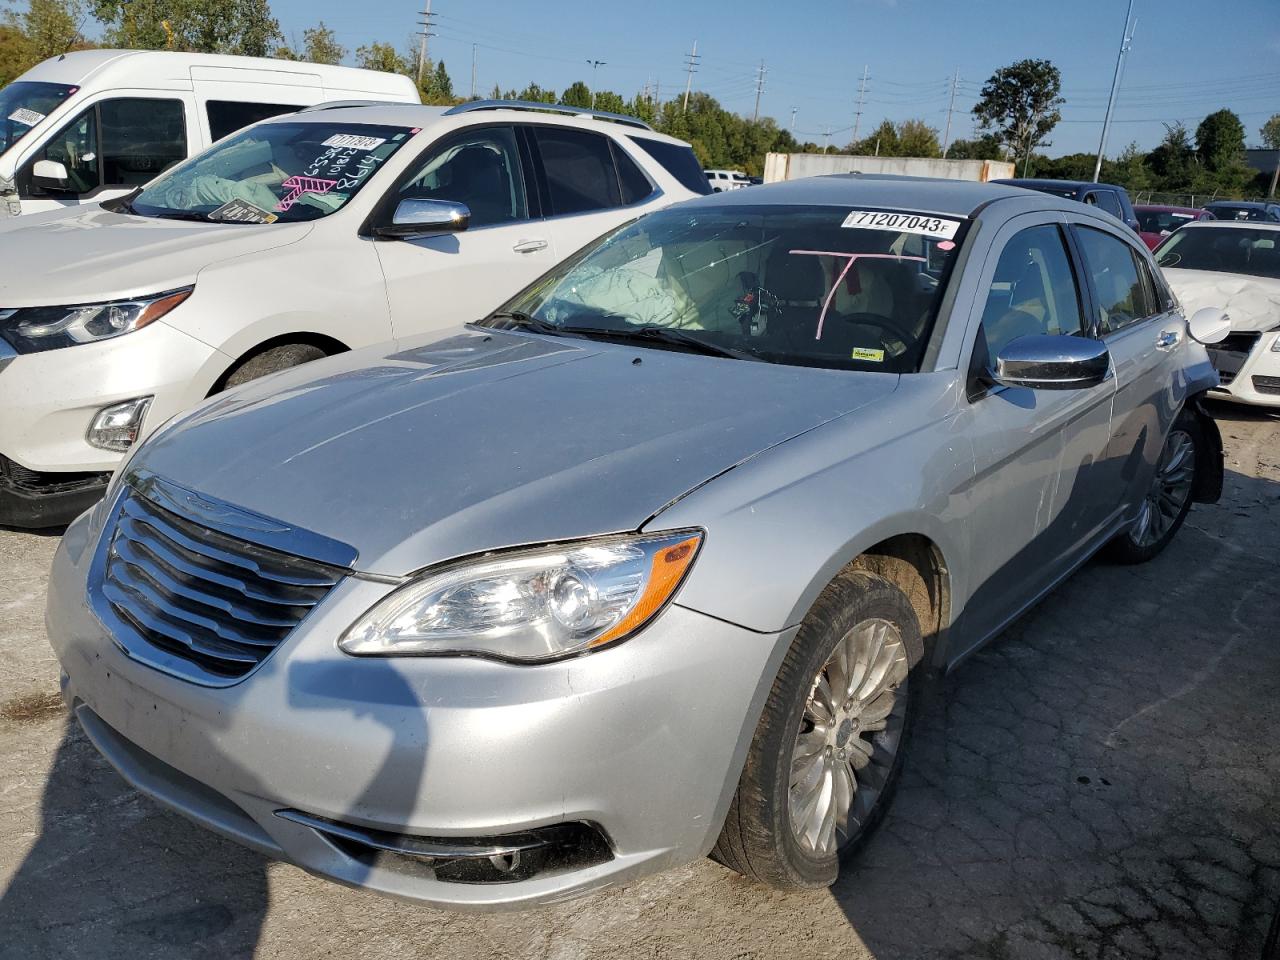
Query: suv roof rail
344	104
474	105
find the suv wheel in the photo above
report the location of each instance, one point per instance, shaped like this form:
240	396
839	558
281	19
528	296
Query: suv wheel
829	747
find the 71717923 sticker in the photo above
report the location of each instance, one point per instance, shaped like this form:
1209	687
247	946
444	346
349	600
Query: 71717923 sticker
354	141
927	226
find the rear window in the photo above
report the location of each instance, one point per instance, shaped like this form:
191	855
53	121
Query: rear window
678	160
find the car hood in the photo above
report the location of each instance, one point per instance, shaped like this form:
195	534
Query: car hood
88	254
1252	303
487	439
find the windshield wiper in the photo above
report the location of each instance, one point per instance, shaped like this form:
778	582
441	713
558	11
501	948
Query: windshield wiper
182	215
523	321
667	336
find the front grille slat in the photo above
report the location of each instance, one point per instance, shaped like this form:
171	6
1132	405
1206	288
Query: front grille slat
1230	354
201	595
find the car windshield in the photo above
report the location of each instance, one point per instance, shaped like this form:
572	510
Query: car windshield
274	171
1162	221
803	285
24	104
1255	253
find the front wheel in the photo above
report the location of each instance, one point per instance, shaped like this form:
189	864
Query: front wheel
829	747
1168	499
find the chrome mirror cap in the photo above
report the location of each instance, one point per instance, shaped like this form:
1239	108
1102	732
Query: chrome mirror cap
425	218
1053	363
1209	325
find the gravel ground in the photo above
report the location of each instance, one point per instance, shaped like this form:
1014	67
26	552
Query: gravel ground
1101	782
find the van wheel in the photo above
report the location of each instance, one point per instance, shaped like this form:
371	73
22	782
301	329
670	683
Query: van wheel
829	747
272	361
1168	499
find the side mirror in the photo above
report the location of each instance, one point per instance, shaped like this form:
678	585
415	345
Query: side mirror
1209	325
415	219
50	175
1053	363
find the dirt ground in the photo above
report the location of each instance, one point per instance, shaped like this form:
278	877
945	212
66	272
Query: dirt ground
1102	782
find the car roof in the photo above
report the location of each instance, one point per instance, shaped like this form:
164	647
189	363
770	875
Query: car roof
1232	225
1166	208
420	115
962	198
1033	182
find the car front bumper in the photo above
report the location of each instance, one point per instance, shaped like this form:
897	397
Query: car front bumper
644	742
50	473
1257	381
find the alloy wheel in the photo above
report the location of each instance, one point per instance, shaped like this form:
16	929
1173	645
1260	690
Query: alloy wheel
1170	489
849	737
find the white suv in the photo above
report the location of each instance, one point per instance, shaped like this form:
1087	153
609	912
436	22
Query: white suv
302	236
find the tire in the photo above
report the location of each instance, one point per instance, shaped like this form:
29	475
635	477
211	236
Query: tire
1168	500
272	361
761	839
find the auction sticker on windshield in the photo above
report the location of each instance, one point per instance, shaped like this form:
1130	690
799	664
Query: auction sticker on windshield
26	117
939	227
353	142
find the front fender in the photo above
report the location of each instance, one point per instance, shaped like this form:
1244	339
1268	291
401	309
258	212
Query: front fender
1210	459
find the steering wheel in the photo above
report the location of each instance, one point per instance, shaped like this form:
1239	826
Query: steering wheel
883	323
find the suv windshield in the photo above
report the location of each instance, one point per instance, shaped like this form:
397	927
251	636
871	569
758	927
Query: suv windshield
809	286
1255	253
24	104
274	171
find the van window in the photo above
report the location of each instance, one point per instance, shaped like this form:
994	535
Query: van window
228	116
140	139
580	173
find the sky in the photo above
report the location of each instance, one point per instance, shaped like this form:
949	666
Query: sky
1188	57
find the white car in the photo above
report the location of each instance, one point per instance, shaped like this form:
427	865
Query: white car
1234	266
95	124
722	180
302	236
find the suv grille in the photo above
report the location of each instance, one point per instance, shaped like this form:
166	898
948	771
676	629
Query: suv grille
1267	384
216	601
1230	354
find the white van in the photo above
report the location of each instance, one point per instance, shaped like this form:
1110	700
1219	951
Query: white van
97	124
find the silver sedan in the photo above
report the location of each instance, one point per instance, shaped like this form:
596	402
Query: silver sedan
655	562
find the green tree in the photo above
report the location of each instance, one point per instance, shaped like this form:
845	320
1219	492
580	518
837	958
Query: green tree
320	45
881	142
1220	149
13	53
577	94
46	28
984	148
1271	140
383	57
1173	161
244	27
437	85
917	139
536	94
1020	105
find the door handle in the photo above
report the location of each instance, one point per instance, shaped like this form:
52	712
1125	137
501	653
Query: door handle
530	246
1168	338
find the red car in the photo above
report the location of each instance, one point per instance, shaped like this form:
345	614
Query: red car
1156	223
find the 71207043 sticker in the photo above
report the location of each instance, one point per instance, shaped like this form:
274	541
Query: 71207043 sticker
939	227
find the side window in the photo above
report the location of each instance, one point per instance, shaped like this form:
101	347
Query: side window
1122	294
228	116
1034	290
579	167
140	139
1109	202
678	160
634	184
75	146
480	168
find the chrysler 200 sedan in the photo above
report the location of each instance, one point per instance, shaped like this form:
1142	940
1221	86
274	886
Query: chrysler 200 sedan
655	562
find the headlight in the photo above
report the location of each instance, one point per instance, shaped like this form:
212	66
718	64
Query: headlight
533	605
35	329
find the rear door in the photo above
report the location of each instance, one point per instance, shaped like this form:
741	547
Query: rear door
440	281
1138	321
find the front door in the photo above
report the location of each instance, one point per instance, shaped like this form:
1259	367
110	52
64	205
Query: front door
1034	506
441	281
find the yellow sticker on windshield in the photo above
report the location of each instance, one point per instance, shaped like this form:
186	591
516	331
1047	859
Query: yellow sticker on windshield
867	354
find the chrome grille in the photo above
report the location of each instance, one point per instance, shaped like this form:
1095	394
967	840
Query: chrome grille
205	597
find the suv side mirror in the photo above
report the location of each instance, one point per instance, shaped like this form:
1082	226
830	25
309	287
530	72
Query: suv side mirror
1044	362
50	175
415	219
1209	325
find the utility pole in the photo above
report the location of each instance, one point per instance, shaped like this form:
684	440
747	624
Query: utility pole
826	143
862	99
793	121
595	65
951	108
426	21
755	117
1125	40
473	70
691	62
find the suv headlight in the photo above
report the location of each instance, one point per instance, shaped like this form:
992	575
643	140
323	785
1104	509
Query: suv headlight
35	329
533	605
